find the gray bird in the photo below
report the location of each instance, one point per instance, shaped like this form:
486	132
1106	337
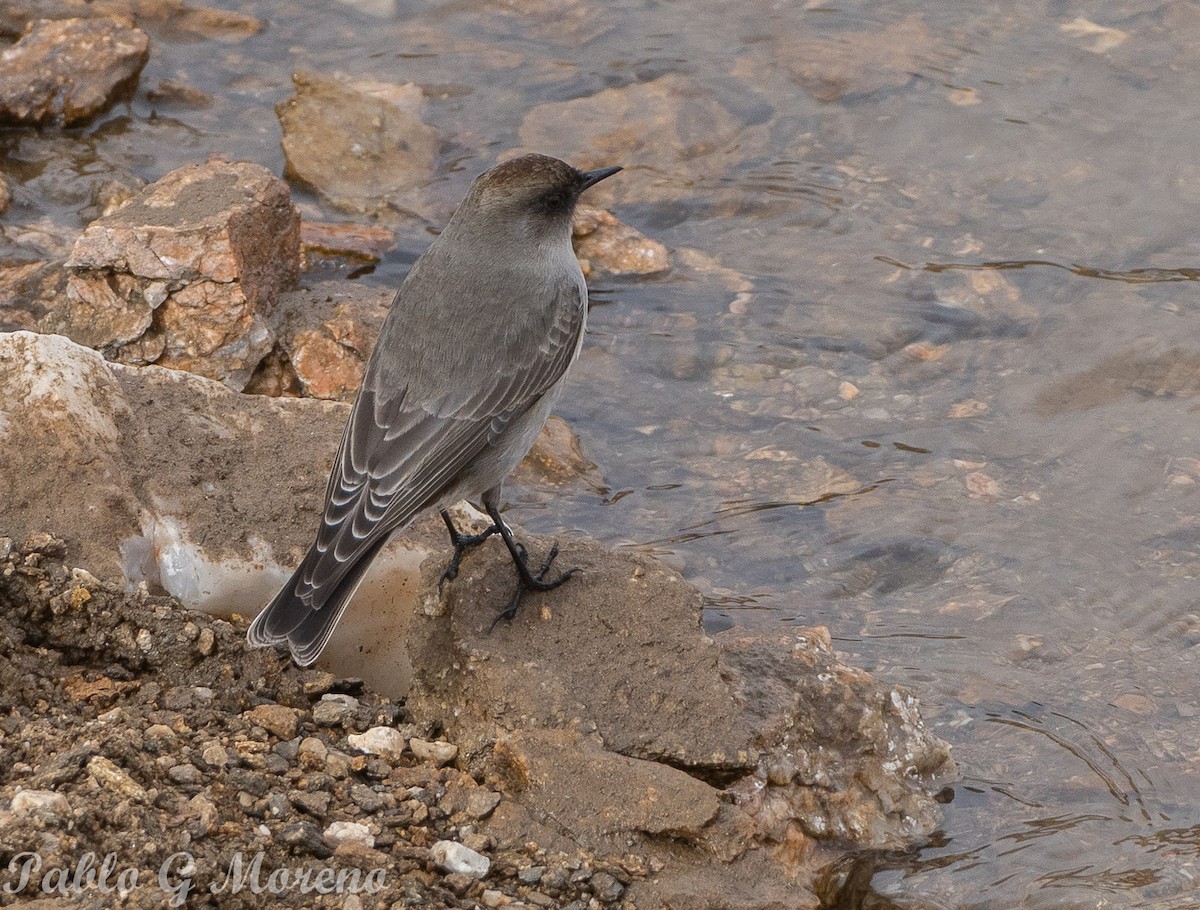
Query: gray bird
468	364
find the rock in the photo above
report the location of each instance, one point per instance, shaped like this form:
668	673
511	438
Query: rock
383	741
651	687
63	72
601	797
364	242
174	20
44	805
112	777
829	66
362	145
844	757
668	134
327	332
148	446
278	720
454	857
436	753
604	244
5	195
186	274
340	832
333	710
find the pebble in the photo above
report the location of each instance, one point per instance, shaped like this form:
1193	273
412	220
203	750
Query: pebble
112	777
205	642
185	774
340	832
606	887
45	805
277	719
454	857
384	741
438	753
214	755
532	875
495	898
333	710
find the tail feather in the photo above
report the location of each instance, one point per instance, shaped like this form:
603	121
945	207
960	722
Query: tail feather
306	626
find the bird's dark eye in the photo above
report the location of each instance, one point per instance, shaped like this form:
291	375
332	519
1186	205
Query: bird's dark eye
556	202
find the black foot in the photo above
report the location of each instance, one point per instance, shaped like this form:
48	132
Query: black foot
462	543
530	581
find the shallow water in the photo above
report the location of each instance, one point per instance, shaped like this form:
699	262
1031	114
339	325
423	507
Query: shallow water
986	230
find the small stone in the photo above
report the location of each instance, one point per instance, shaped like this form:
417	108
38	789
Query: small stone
339	832
481	803
205	642
214	755
367	799
437	753
532	875
316	804
384	741
495	898
848	391
454	857
307	836
334	710
112	777
185	774
277	719
44	805
606	887
312	753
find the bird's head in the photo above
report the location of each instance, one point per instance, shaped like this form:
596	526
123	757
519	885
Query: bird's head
532	196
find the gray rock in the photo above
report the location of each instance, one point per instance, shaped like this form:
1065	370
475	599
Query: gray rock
455	858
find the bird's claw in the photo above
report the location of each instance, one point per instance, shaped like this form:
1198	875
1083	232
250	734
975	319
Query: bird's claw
530	581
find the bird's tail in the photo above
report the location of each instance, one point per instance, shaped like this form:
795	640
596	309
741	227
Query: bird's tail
295	617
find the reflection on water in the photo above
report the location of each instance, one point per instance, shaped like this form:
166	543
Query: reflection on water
878	391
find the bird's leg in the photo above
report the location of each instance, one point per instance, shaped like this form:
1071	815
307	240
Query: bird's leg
529	580
461	543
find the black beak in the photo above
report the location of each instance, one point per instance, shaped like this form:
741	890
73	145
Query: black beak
591	178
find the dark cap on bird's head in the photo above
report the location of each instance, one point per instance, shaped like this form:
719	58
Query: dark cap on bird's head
534	183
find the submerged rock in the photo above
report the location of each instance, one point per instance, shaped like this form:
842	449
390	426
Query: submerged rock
604	244
186	274
363	145
63	72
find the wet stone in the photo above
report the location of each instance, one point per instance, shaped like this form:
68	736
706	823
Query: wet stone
363	145
64	72
606	245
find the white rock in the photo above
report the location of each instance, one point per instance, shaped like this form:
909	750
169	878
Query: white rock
383	741
354	832
438	753
454	857
42	804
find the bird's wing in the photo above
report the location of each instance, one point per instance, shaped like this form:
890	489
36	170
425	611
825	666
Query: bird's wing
399	455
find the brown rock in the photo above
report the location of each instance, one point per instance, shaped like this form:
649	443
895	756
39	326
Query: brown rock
605	244
345	241
362	145
557	459
150	454
651	687
327	332
844	756
668	134
186	274
63	72
176	20
278	720
598	794
829	66
5	195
